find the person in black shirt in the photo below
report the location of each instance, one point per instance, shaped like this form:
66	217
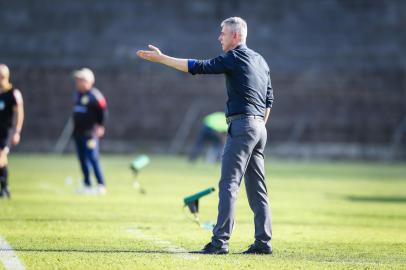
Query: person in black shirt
250	98
11	123
89	114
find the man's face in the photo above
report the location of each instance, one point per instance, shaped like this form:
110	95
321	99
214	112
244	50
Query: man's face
83	85
228	39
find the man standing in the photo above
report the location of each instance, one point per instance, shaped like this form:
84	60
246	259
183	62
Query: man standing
88	121
249	103
11	123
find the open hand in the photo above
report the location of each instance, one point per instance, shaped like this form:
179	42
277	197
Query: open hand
154	55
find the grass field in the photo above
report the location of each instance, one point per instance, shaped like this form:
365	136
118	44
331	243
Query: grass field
342	215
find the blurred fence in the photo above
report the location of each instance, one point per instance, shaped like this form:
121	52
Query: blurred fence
338	69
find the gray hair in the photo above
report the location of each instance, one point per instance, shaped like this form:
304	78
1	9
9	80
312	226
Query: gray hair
237	25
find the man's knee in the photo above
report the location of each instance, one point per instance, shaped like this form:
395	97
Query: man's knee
92	156
3	158
229	187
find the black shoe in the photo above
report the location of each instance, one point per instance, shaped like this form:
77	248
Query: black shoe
255	249
211	249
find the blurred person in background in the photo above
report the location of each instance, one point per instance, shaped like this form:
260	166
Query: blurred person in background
212	132
89	114
11	123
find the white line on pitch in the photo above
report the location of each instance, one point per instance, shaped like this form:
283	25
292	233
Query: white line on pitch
8	256
166	245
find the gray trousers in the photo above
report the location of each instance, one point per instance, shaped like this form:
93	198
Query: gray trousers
243	156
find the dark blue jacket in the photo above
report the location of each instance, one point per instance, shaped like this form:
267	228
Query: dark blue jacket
248	81
89	111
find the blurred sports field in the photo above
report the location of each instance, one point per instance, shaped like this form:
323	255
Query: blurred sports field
340	215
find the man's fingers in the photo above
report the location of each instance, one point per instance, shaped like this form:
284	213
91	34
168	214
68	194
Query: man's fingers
154	48
152	55
147	55
142	54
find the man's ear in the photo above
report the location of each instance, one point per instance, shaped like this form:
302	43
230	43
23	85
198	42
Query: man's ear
237	36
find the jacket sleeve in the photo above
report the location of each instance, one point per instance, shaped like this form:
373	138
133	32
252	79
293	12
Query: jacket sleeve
101	107
218	65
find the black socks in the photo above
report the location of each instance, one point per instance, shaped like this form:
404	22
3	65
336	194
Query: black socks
3	178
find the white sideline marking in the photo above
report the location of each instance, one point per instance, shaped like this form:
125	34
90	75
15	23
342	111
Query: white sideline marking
166	245
8	256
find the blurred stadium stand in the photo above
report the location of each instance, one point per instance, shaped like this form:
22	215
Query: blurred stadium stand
338	70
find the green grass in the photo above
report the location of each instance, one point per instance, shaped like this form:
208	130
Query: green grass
325	216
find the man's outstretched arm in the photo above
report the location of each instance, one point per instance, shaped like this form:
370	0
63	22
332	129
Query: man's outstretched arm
155	55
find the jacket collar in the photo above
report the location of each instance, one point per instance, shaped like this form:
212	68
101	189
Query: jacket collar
241	46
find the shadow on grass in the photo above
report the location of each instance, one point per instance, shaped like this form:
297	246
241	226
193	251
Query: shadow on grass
95	251
378	199
86	220
91	250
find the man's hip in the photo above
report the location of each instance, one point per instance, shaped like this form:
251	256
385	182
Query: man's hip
231	118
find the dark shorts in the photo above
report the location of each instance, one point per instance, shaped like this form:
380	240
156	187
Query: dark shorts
4	138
